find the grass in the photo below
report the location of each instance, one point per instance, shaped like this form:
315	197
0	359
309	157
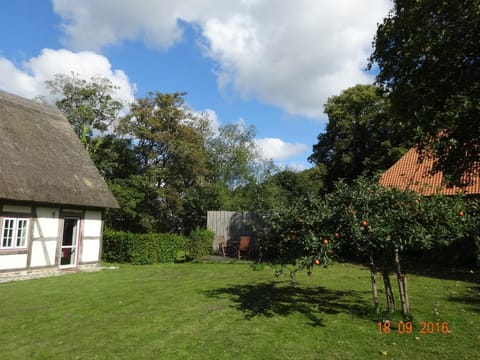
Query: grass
228	311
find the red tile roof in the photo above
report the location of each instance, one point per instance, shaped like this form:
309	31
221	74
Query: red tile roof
409	173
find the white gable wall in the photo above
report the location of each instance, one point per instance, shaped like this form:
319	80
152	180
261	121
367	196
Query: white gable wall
45	232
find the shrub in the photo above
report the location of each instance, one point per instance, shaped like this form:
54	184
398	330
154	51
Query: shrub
144	251
168	246
199	243
117	246
141	249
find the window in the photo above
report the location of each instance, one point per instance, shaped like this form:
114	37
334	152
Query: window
14	233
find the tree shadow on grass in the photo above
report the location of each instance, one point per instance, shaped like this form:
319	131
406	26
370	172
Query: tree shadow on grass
278	298
444	272
471	298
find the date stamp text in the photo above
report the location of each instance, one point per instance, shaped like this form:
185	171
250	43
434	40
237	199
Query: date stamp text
406	327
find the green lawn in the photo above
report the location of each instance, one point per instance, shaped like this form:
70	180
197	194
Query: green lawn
228	311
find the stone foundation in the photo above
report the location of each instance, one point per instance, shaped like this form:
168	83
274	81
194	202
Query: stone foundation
42	273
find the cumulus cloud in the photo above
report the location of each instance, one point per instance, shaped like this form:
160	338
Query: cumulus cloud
209	115
291	54
28	79
295	167
277	149
212	119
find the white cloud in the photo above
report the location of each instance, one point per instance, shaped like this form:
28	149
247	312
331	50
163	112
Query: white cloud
213	119
211	116
28	78
292	54
17	81
295	167
277	149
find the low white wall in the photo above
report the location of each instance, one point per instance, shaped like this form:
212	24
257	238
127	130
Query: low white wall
14	261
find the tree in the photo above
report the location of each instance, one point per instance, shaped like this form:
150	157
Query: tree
173	160
429	64
114	157
88	105
287	186
232	155
117	161
374	224
360	136
236	171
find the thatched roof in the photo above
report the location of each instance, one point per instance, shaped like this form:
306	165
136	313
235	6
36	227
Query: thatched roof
42	160
410	173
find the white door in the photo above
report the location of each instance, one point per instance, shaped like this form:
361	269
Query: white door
69	249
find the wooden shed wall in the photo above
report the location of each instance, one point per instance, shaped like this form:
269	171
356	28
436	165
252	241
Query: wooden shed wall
232	224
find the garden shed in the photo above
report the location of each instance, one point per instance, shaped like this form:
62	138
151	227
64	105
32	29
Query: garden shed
52	197
232	225
412	174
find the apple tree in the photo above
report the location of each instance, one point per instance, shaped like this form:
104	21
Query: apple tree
370	223
381	224
299	235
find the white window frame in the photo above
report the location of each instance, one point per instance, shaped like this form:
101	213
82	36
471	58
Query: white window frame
18	233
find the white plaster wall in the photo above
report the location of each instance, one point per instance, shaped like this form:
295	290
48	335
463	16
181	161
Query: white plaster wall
90	250
16	261
17	209
45	237
43	252
92	225
92	231
46	224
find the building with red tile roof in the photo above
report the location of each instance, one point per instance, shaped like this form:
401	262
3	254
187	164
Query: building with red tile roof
410	173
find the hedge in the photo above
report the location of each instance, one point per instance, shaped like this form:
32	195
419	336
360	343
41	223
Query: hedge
199	243
141	249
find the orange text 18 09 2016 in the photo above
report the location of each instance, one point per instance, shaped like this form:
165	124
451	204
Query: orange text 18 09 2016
406	327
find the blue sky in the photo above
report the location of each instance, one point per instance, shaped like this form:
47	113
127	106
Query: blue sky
268	63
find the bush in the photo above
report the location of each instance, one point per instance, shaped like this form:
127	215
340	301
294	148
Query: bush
168	246
141	249
199	243
117	246
144	251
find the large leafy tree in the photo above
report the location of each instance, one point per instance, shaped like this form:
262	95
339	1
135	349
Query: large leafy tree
88	105
173	160
119	164
428	57
236	171
288	186
232	155
360	137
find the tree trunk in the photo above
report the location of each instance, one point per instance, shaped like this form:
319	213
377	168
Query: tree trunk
388	291
373	277
402	285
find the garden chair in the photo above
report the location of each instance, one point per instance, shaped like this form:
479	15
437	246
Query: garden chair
222	245
243	246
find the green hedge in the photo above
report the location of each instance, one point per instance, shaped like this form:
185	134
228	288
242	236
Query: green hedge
199	243
117	246
141	249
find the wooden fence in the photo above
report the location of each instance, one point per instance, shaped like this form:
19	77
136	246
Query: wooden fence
231	225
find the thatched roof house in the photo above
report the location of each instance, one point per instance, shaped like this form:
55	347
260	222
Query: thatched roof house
42	160
52	197
411	173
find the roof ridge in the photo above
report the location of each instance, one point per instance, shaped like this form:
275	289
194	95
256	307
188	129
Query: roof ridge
28	104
